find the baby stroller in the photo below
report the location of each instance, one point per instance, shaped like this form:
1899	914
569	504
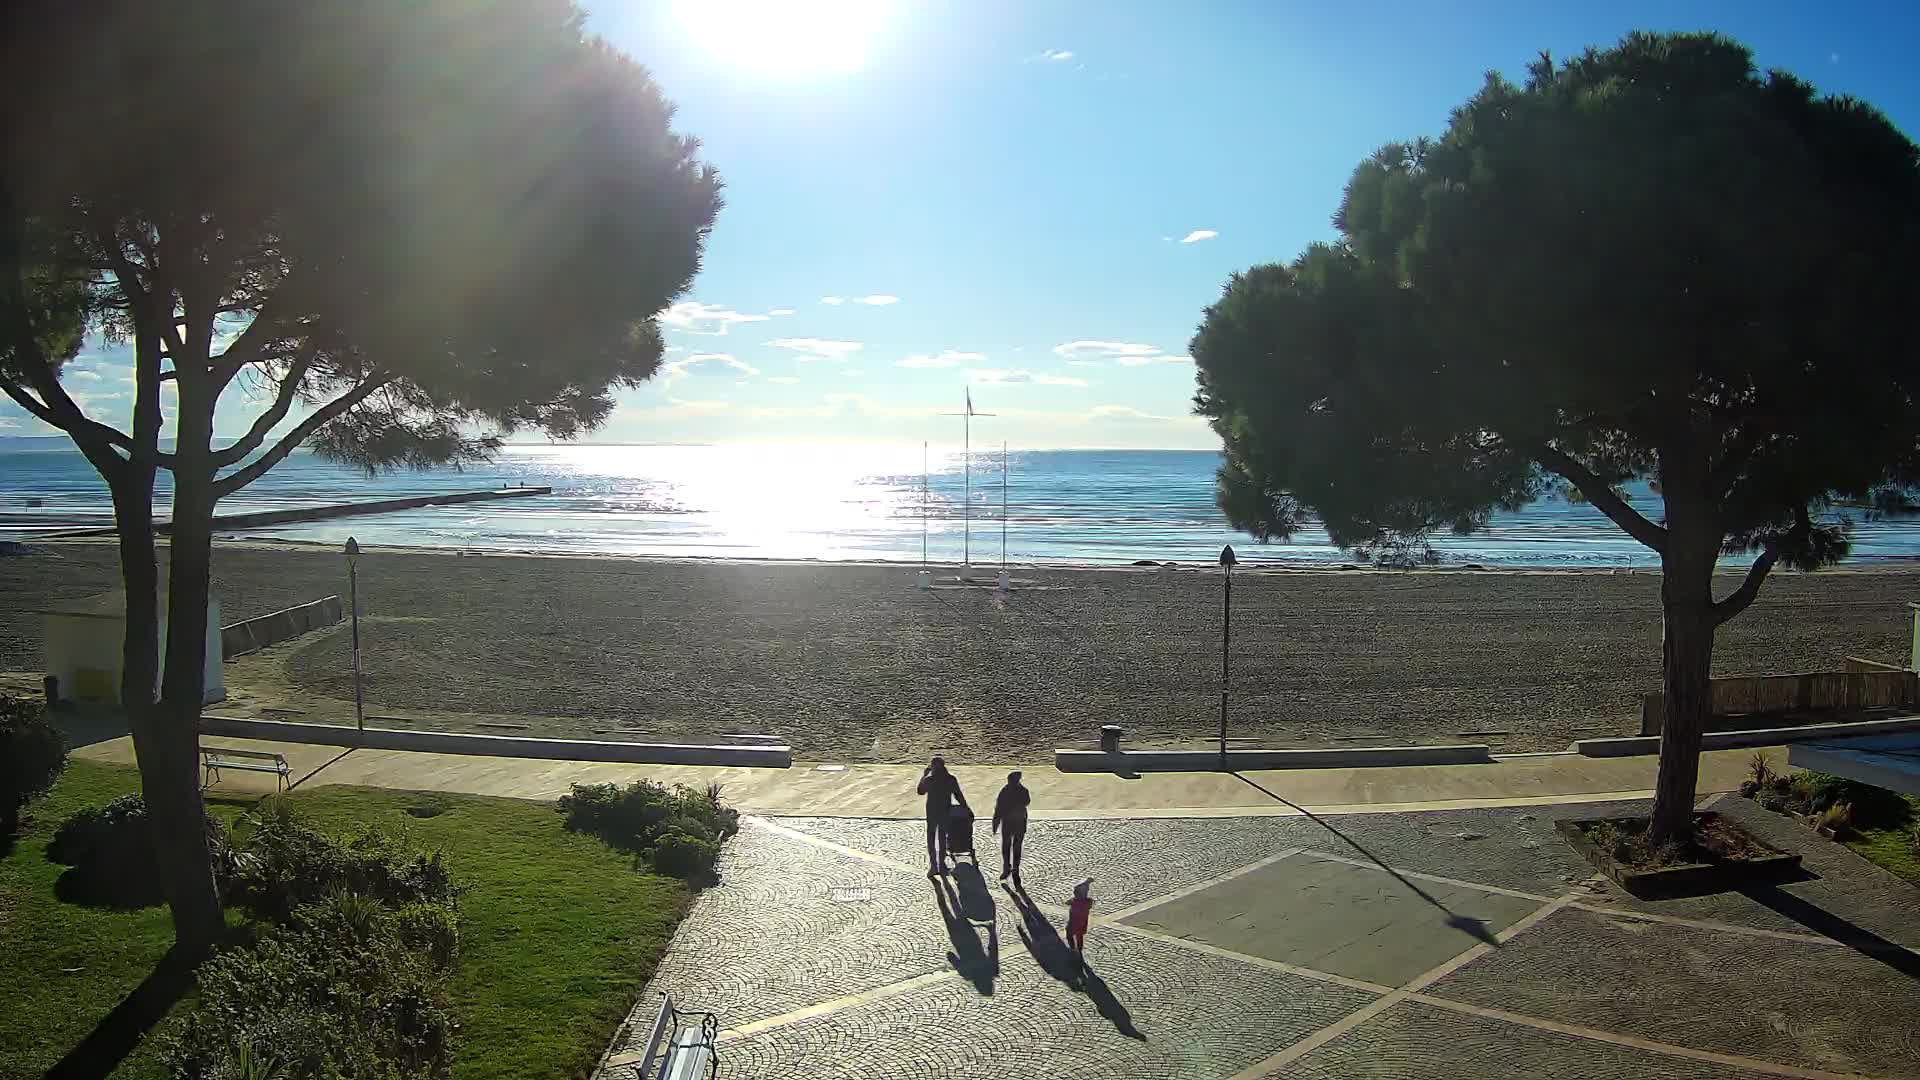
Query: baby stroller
960	834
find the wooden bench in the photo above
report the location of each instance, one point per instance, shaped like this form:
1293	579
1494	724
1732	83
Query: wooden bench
678	1050
213	759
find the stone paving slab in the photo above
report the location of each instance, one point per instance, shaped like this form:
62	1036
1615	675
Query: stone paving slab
1817	1006
1195	1016
1331	916
1415	1041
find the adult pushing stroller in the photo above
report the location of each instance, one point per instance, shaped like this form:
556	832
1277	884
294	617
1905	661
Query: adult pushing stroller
960	834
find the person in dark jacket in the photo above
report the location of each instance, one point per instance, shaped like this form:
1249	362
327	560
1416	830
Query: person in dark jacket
1010	821
942	790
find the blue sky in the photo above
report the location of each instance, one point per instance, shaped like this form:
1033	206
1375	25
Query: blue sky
1037	199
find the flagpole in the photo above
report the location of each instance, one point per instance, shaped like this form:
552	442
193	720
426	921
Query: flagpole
1003	506
966	489
923	505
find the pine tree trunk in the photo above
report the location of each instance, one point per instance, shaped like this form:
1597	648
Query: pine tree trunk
1686	691
172	783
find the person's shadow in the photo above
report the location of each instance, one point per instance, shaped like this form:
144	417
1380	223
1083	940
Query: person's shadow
964	901
1056	959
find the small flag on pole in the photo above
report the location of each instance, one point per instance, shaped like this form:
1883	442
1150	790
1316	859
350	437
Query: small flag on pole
969	401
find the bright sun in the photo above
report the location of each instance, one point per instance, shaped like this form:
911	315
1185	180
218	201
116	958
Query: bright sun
785	35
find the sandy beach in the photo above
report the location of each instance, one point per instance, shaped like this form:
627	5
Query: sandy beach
855	663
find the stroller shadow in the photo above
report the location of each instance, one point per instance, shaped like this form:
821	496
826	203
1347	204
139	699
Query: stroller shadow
979	966
1053	956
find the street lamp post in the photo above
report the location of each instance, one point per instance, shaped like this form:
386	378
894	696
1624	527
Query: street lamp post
1227	560
353	598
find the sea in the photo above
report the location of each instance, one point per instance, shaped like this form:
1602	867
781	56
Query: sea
832	503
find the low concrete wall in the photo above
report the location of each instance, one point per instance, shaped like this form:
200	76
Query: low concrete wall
764	756
1729	740
1858	687
257	633
1126	761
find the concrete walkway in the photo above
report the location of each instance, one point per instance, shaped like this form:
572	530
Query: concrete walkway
887	791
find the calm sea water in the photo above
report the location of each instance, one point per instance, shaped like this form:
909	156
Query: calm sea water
832	503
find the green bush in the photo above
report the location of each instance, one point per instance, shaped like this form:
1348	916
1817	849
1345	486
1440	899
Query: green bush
1873	807
32	754
687	857
644	816
111	851
287	864
345	989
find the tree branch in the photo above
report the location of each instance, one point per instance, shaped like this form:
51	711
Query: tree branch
1602	495
291	440
1737	601
263	424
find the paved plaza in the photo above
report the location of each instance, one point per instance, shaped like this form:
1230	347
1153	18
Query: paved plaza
1458	943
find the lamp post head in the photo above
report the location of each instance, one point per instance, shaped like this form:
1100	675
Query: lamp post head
1227	558
353	549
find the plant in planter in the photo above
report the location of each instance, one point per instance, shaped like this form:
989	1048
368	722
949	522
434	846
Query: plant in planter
1718	853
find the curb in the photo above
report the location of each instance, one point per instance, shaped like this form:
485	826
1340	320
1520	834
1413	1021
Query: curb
1634	745
1124	761
761	756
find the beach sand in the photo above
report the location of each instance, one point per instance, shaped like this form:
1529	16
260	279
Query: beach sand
854	663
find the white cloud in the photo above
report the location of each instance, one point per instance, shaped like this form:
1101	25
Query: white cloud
785	379
696	407
711	319
852	371
80	376
836	301
1142	361
1198	235
1126	412
1005	377
672	371
1057	55
877	299
818	348
781	311
945	359
1095	351
8	423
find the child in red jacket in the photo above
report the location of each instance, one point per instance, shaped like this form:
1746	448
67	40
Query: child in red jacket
1079	910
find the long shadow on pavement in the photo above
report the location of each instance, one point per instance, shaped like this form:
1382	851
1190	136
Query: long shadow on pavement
1472	927
1053	956
959	907
1824	922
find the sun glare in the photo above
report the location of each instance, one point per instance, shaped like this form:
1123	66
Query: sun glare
785	35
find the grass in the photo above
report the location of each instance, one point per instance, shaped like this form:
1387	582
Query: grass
558	932
1892	848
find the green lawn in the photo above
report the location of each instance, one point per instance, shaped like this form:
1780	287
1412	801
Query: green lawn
557	932
1892	848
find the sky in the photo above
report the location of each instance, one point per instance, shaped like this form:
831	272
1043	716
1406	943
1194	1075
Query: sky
1035	201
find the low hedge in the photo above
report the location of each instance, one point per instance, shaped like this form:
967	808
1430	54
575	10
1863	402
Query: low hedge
677	830
111	851
349	977
32	754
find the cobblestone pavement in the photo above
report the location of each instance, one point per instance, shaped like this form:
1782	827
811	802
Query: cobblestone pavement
1453	944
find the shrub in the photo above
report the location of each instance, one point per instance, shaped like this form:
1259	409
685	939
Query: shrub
32	755
339	991
1837	817
642	816
287	864
1760	768
1873	807
1749	788
680	855
111	851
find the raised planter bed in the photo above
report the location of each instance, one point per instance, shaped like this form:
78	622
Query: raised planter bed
1722	856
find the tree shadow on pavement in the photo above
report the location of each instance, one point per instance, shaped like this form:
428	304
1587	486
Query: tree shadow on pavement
979	966
1053	956
1466	924
114	1037
1824	922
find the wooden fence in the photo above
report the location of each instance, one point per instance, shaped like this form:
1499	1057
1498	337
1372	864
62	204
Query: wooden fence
1864	685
